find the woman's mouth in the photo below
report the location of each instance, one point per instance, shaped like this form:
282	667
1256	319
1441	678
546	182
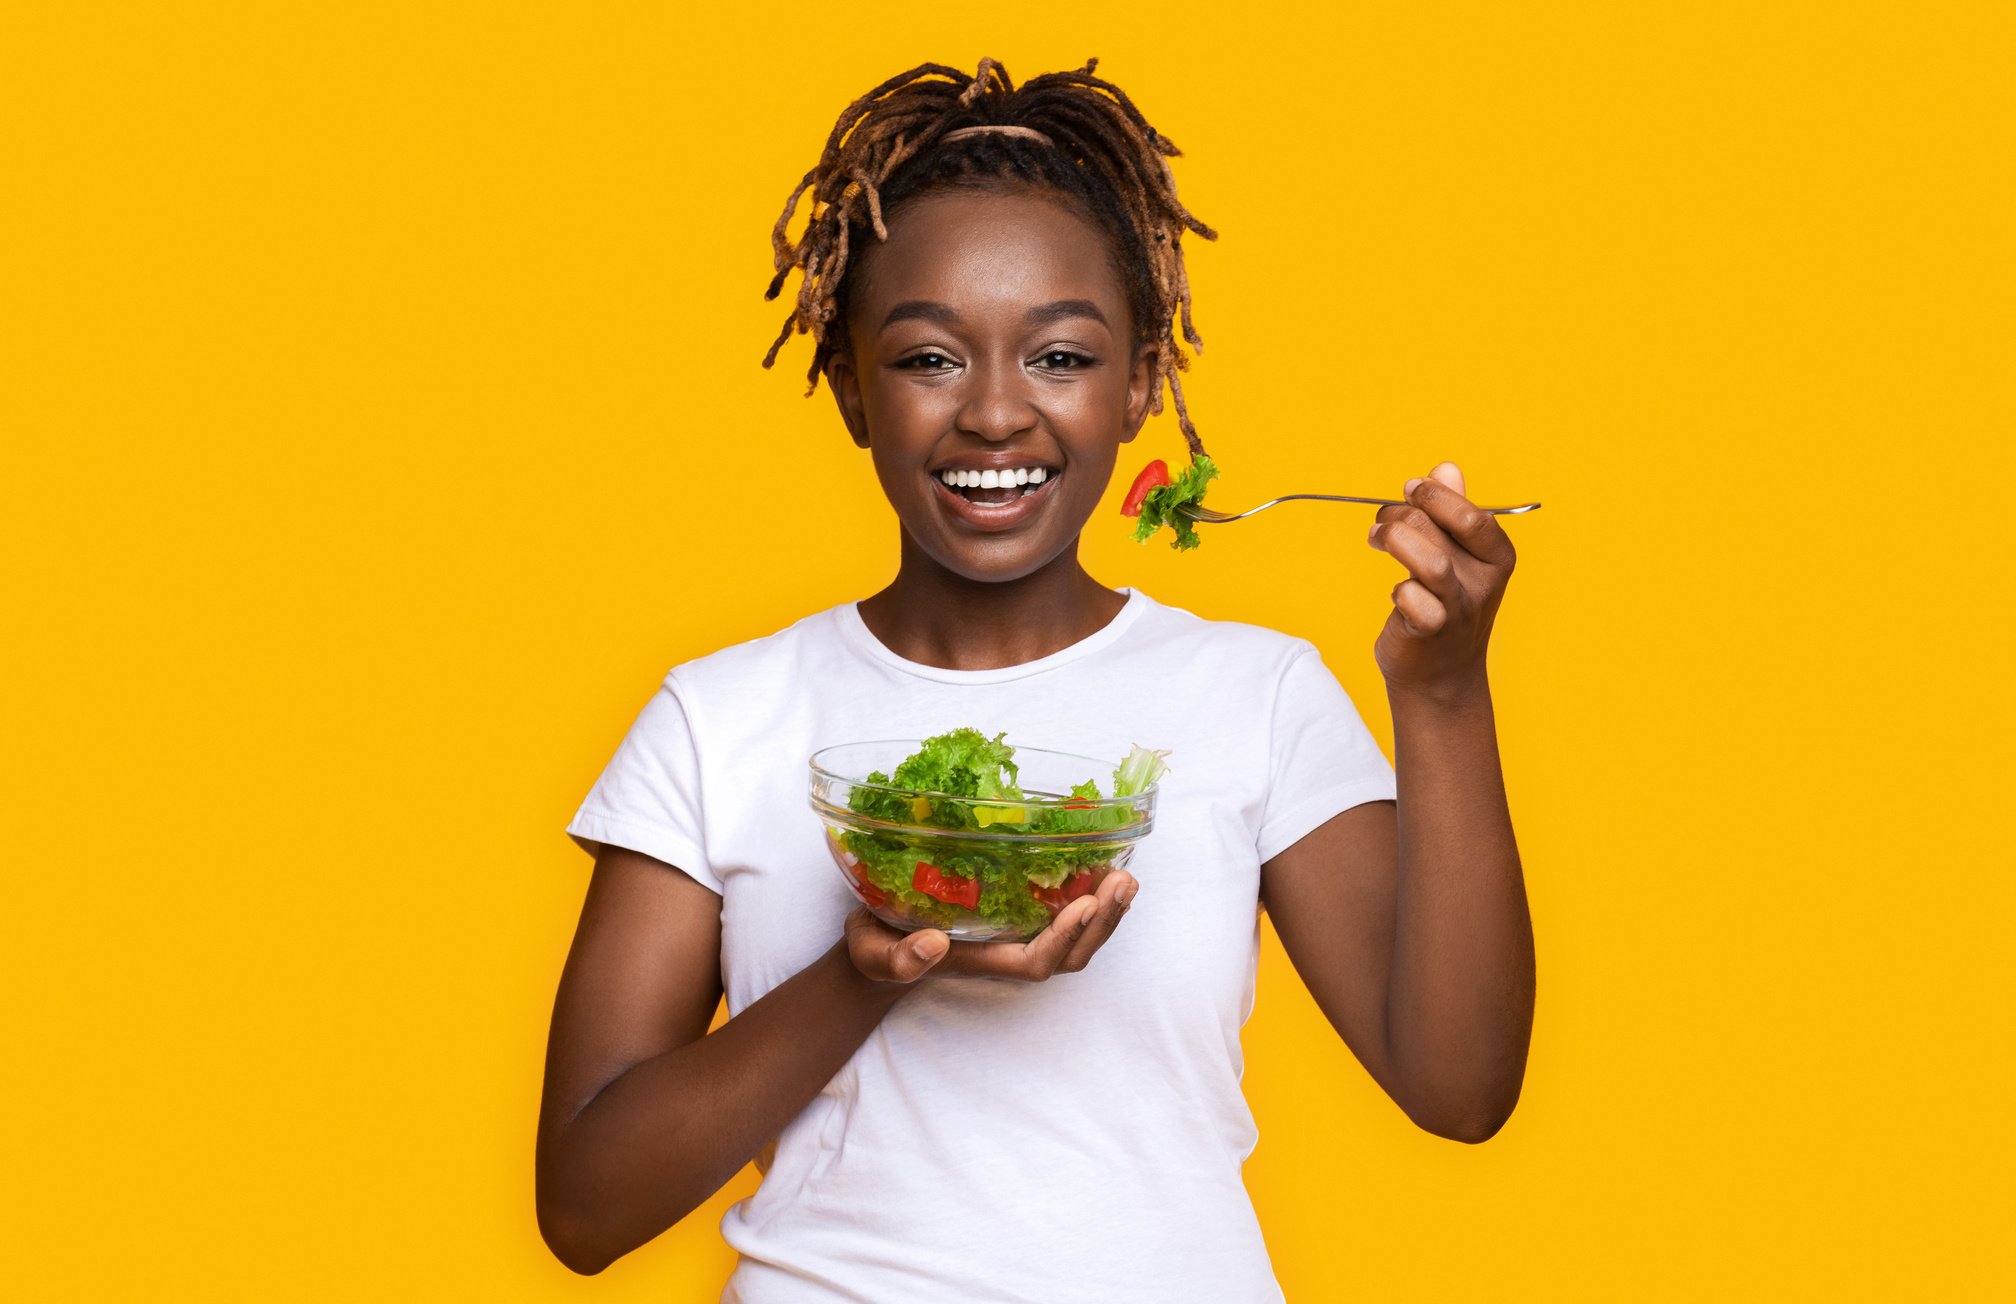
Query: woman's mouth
996	499
995	486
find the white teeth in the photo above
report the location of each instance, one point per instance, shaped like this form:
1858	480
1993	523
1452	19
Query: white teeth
995	478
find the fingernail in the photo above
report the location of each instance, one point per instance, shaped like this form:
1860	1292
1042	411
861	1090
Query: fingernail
928	948
1408	488
1126	894
1372	535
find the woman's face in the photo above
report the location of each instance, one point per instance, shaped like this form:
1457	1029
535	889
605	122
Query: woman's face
991	332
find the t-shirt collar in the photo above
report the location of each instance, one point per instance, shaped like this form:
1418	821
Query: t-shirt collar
858	636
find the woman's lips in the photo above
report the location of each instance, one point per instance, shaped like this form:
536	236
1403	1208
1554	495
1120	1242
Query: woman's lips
991	517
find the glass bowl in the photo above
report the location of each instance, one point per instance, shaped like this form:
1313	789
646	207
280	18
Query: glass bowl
982	869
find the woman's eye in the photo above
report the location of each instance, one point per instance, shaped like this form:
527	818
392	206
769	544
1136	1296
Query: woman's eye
1064	360
927	362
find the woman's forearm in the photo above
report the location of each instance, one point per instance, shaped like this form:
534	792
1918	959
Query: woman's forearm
1459	1013
670	1131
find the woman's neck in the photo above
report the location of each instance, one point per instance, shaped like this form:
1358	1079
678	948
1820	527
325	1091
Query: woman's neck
936	617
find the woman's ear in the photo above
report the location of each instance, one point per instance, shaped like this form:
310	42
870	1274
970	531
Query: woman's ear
1140	392
846	386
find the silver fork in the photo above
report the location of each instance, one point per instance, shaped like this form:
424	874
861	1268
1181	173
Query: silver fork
1206	514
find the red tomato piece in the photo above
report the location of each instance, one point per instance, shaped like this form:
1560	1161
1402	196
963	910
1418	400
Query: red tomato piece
1153	476
952	889
1083	883
873	895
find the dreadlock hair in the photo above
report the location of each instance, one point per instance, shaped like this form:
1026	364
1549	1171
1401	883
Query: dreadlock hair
1067	131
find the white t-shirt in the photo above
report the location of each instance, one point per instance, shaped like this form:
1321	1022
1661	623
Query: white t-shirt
1077	1139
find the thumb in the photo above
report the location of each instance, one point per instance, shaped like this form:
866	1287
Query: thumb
910	958
1449	474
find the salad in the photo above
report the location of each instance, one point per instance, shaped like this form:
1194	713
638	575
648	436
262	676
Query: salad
1155	497
963	783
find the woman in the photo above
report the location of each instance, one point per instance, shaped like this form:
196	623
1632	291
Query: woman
993	282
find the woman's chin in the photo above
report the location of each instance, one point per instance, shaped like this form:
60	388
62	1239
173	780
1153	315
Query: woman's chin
994	544
995	558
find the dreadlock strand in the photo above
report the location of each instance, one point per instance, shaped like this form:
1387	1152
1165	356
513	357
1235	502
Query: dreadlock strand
863	106
990	70
898	156
1183	303
1109	91
874	198
807	289
770	358
834	271
1183	422
780	241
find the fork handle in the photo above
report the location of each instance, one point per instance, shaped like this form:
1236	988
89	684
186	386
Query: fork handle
1399	502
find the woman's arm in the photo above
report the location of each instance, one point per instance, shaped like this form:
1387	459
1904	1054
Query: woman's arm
1412	929
645	1113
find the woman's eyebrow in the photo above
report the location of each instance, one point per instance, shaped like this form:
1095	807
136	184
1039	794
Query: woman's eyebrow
944	314
921	310
1064	309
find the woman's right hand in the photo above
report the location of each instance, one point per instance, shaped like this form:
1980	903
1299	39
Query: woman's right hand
1066	946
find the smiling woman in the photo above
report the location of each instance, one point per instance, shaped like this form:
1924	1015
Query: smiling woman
995	290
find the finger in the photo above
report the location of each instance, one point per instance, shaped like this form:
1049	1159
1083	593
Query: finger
1045	953
1115	896
1422	610
1412	517
884	952
916	954
1425	551
1448	473
1406	514
1034	960
1472	528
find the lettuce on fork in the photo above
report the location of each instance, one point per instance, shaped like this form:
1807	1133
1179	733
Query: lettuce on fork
1158	506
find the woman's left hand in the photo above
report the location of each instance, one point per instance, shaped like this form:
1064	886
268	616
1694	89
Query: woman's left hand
1458	559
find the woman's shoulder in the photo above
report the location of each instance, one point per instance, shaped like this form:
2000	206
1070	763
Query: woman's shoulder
794	649
1243	642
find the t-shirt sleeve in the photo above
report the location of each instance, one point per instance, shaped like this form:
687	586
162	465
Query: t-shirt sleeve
648	796
1323	759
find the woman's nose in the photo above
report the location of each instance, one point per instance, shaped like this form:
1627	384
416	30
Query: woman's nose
998	405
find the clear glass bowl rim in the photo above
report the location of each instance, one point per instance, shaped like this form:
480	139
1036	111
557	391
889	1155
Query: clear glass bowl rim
1133	830
914	743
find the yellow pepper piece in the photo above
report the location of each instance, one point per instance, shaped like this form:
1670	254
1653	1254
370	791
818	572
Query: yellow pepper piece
985	815
920	807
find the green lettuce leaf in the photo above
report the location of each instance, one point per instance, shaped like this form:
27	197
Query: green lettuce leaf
1159	507
1141	768
962	763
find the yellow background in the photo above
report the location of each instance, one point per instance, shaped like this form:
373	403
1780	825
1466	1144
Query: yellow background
382	418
